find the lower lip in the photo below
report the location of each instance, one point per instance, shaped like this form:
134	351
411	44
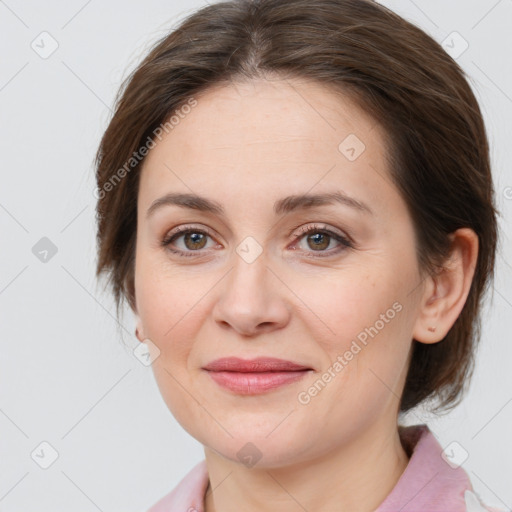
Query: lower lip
252	383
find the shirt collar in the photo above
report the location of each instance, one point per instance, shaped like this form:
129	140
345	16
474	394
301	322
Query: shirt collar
429	482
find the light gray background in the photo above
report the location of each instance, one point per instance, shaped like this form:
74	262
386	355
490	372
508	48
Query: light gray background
65	376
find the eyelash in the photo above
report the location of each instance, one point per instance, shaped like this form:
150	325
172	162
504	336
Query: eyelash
345	242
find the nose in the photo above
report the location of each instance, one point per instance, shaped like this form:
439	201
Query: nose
252	299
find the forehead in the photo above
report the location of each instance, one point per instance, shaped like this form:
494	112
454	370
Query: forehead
269	111
266	137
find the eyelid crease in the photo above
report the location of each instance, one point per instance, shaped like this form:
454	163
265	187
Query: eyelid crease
341	237
324	227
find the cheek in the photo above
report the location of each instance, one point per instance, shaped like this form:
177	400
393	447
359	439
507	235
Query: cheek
165	297
364	327
166	308
343	305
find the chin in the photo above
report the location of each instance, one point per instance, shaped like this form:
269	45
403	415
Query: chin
256	449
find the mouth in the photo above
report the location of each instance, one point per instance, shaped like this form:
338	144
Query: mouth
255	376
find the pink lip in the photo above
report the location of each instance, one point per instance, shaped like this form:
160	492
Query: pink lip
255	376
260	364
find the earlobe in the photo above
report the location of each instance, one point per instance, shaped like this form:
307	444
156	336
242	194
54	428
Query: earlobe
139	331
426	329
446	293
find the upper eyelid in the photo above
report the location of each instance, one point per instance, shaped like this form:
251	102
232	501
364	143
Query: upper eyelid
299	231
319	226
302	229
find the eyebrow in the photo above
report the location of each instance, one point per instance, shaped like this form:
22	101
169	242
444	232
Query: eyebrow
281	206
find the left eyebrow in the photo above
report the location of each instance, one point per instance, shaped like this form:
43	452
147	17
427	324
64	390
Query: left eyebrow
281	206
291	203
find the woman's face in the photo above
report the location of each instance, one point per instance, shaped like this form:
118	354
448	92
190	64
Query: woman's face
252	282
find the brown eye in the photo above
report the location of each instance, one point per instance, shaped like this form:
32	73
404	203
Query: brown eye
194	240
318	239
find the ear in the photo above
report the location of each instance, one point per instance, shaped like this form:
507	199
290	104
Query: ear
139	330
445	294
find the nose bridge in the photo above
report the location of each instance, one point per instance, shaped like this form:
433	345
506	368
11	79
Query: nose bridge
248	283
248	277
249	299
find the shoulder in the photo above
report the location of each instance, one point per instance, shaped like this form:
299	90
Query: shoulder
473	504
188	495
431	481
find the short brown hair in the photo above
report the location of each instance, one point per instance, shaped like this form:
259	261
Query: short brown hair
437	145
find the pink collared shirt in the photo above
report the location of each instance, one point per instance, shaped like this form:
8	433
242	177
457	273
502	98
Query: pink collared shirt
429	483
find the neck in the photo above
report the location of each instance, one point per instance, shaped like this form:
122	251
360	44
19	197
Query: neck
356	476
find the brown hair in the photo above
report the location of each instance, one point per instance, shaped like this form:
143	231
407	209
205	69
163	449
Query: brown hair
437	145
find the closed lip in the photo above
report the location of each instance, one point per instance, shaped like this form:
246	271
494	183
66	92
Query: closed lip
259	364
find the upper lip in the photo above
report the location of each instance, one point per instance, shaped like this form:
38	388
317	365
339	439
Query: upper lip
260	364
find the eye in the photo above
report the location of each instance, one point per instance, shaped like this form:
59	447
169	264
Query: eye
319	237
194	240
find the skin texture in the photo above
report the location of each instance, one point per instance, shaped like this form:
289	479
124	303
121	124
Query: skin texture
246	145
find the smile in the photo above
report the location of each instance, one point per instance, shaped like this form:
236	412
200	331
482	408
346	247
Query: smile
255	383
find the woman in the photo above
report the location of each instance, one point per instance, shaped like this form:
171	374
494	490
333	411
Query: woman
296	200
